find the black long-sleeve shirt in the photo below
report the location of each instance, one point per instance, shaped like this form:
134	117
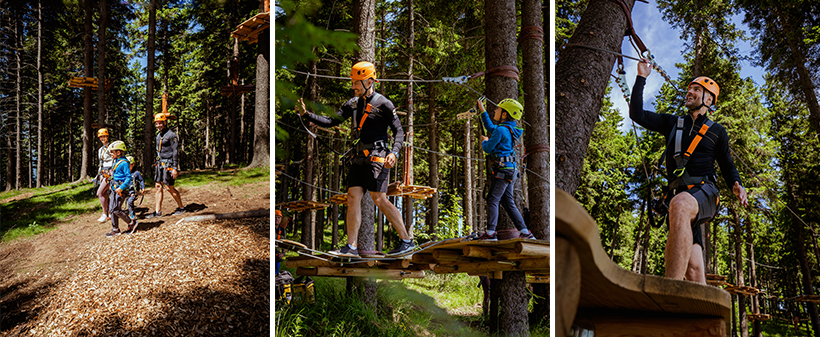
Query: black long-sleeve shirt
714	146
374	128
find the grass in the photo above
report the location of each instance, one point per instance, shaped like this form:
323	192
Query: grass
49	206
235	177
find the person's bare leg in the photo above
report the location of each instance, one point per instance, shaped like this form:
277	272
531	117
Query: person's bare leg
353	219
391	212
175	194
695	271
158	197
682	210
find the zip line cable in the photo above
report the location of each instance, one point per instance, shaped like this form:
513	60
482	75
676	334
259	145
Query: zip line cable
348	78
441	153
759	180
306	183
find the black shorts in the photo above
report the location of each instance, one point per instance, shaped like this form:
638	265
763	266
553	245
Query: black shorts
371	176
707	197
163	175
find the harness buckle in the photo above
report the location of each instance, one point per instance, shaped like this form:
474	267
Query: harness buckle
679	171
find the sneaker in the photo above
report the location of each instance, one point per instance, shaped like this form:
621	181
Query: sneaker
527	236
345	251
404	247
178	211
131	228
103	218
488	237
153	215
131	215
114	232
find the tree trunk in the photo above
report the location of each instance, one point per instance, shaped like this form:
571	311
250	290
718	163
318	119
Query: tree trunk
432	213
584	75
537	145
364	24
148	133
39	93
741	300
806	85
101	47
750	251
335	187
18	38
408	169
88	136
500	26
233	77
261	118
805	269
469	213
309	217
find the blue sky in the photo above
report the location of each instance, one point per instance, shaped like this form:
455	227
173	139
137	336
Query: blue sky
664	42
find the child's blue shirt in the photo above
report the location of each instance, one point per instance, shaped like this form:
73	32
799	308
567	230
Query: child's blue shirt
500	142
122	174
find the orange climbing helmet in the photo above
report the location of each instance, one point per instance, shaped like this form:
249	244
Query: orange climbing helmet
362	71
709	85
102	132
160	117
278	213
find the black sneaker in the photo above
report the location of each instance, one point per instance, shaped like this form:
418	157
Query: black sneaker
527	236
404	247
178	211
153	215
345	251
488	237
114	232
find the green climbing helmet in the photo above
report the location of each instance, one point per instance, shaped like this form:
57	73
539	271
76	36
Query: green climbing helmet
513	108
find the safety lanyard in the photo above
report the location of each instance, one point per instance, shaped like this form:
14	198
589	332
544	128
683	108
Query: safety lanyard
682	158
366	112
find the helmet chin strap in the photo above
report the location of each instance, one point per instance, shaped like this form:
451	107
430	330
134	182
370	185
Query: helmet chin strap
365	89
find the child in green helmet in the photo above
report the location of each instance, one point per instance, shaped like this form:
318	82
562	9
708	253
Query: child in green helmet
501	152
120	188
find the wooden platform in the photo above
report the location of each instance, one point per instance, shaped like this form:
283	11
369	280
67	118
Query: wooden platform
808	298
484	258
88	82
398	189
490	258
716	280
250	29
741	290
593	291
302	205
339	199
758	317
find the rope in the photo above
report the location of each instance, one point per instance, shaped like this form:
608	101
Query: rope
536	174
348	78
306	183
441	153
769	188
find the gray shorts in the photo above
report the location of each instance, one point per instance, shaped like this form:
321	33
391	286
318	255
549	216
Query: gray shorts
707	197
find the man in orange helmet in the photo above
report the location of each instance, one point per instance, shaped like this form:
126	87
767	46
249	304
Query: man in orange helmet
372	158
694	143
166	168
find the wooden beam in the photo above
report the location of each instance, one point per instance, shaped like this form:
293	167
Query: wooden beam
526	248
450	255
491	266
625	323
396	274
477	251
423	258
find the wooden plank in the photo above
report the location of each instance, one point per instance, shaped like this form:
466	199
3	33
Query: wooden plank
360	272
421	258
606	285
612	323
491	266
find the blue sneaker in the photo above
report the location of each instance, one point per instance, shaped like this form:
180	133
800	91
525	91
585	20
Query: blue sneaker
488	237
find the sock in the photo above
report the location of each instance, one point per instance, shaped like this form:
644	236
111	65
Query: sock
351	246
407	241
490	232
525	231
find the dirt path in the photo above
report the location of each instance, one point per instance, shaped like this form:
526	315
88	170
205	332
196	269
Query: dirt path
36	270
